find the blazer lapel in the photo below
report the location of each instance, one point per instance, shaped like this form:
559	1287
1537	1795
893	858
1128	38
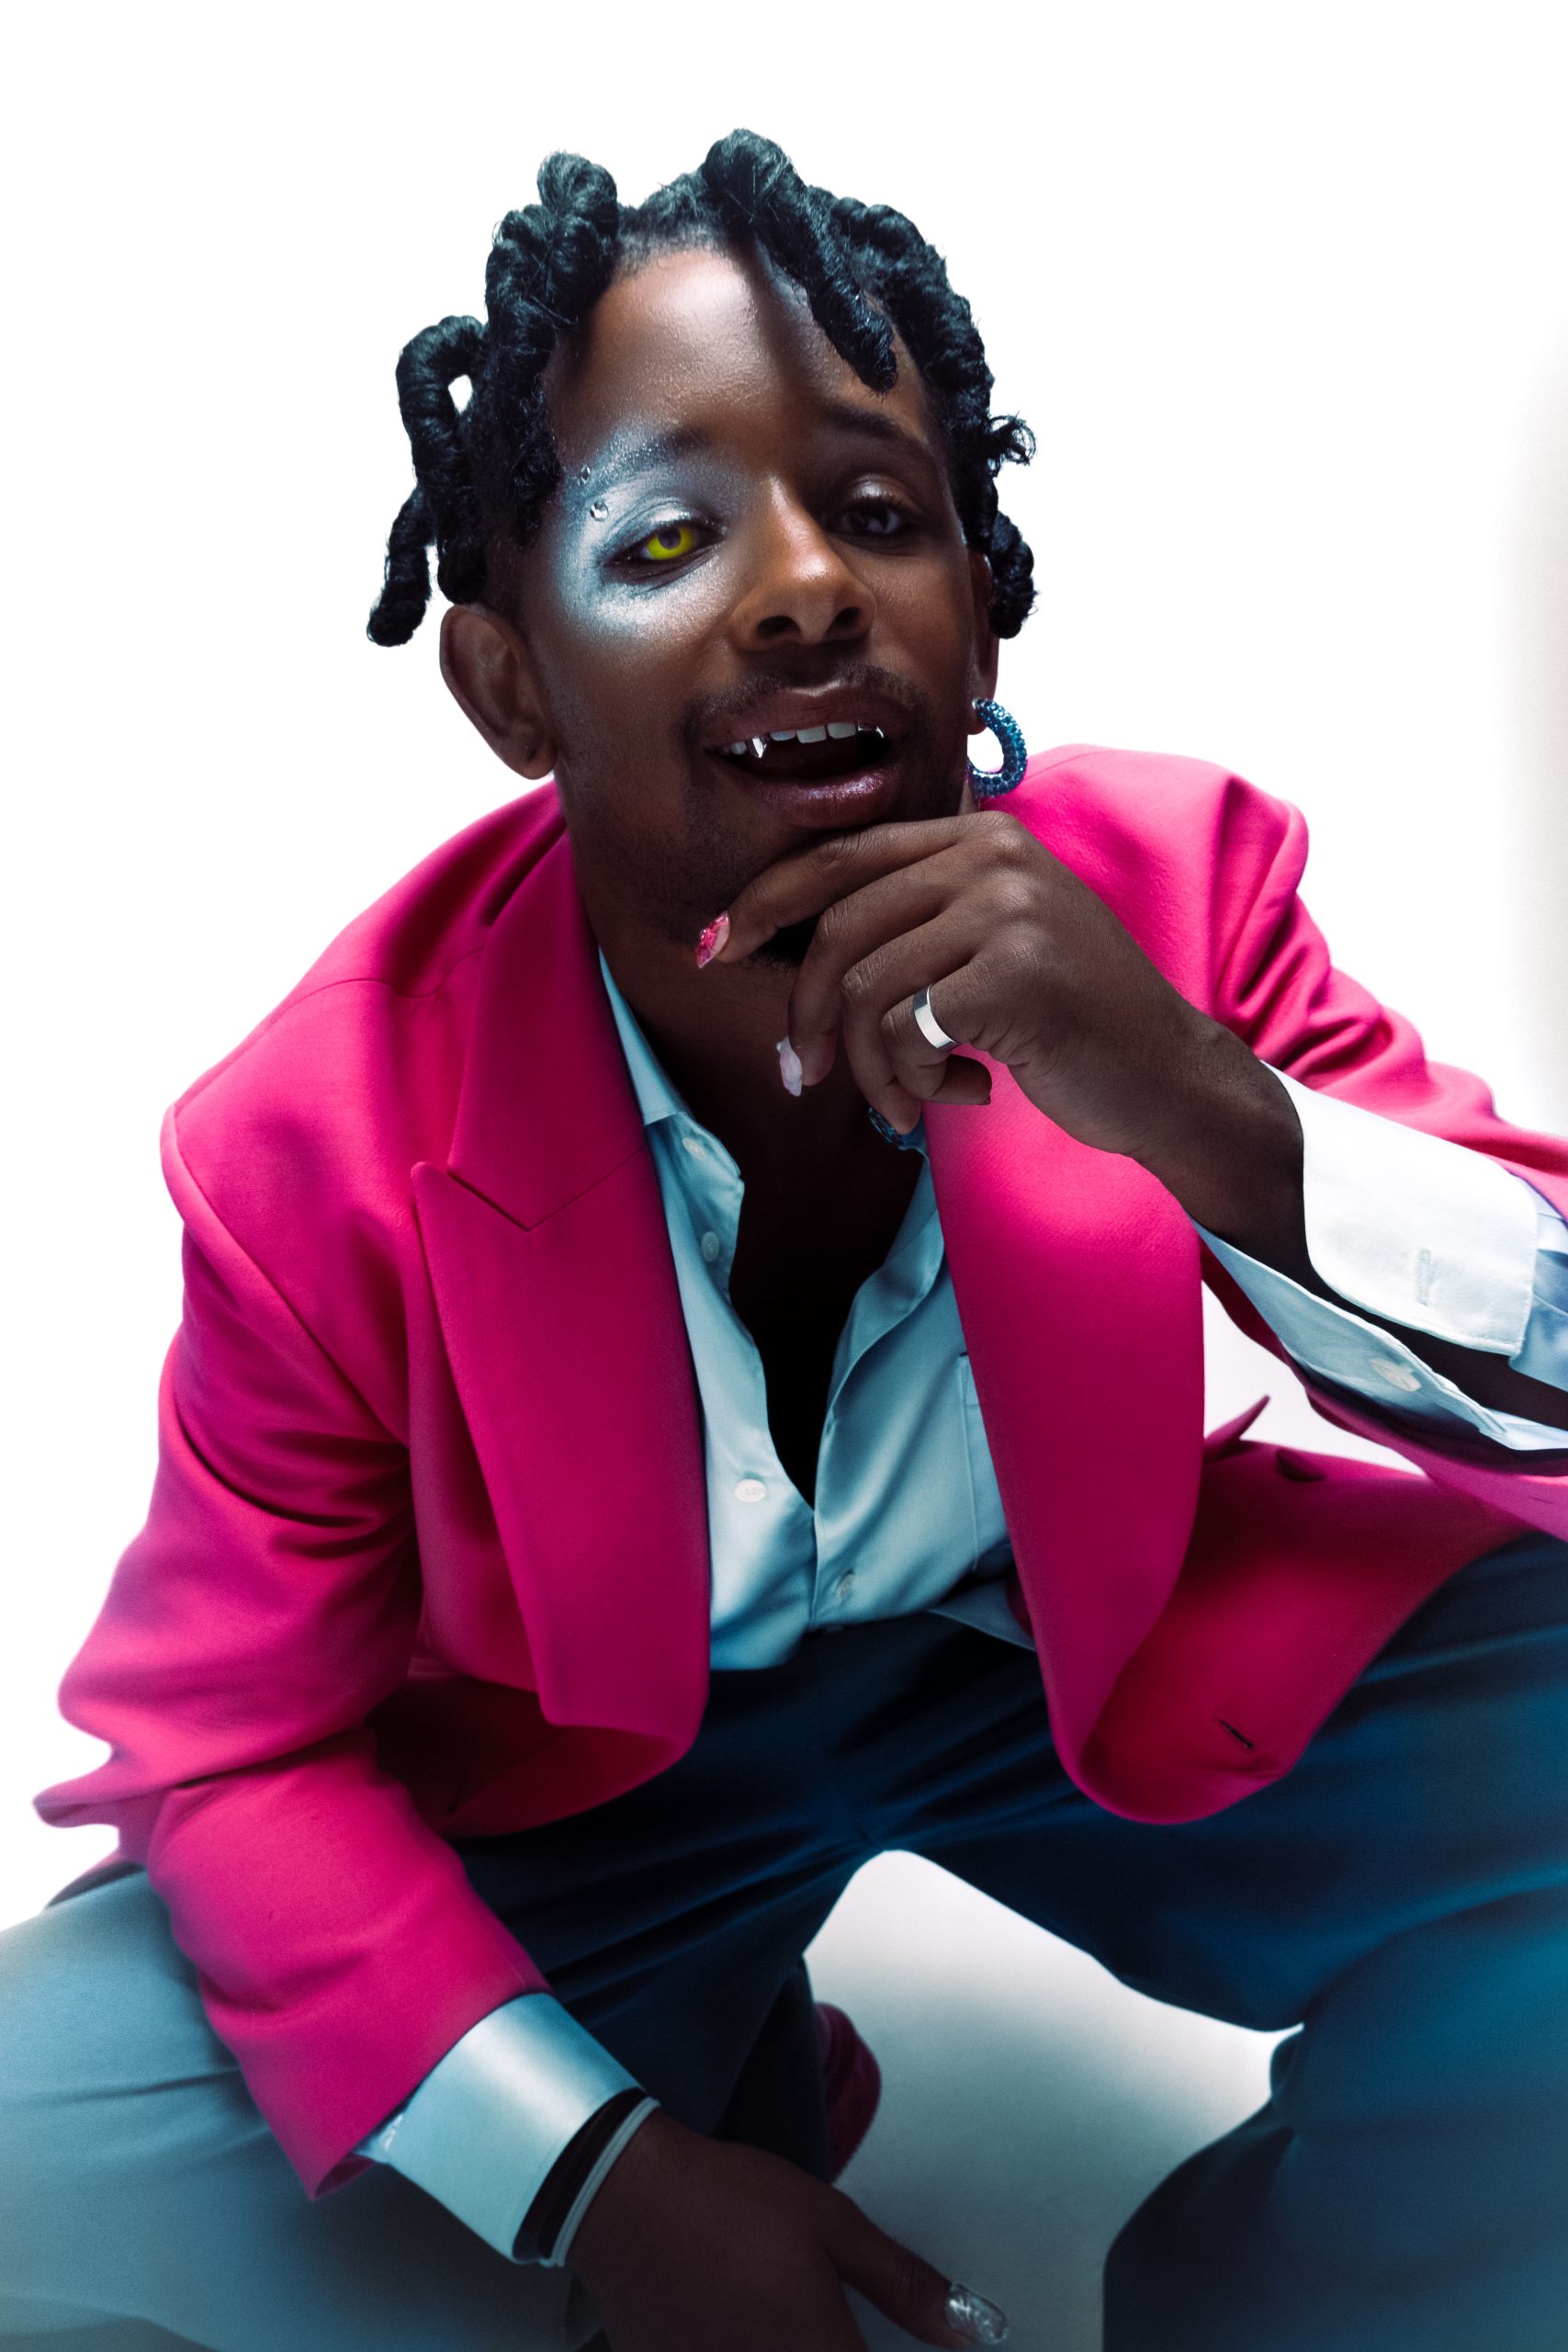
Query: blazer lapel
1076	1277
549	1259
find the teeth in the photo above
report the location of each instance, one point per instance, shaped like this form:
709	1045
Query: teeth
839	730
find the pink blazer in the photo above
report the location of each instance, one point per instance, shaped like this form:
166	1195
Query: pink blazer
427	1549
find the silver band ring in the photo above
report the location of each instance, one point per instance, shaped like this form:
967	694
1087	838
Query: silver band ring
927	1022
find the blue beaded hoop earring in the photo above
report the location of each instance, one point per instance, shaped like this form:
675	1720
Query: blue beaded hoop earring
987	783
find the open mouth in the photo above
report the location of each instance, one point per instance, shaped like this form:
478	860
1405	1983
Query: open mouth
822	754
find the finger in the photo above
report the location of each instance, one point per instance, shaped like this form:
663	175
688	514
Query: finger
852	931
958	1078
865	967
961	1004
964	1079
895	1066
796	888
908	2289
894	1082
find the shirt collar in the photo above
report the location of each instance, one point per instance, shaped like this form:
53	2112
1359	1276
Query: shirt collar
656	1098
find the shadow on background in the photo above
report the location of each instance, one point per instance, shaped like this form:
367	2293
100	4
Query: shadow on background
1030	2102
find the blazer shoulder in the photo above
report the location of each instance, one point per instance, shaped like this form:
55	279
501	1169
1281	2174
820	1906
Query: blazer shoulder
1108	802
410	939
1184	851
322	1109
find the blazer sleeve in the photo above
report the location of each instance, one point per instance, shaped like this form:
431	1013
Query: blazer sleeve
269	1603
1273	981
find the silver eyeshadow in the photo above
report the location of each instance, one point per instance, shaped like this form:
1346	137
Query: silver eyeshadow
631	491
644	480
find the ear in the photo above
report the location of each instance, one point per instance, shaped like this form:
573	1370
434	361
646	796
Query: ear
490	670
986	651
983	660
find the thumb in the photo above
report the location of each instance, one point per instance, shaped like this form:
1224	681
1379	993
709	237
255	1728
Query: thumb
964	1079
908	2289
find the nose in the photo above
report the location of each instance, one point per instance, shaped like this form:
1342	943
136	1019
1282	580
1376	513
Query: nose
799	587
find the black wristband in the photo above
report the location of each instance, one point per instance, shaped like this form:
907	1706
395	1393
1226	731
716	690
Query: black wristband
542	2222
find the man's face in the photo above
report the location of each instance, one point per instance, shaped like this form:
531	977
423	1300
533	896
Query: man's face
746	543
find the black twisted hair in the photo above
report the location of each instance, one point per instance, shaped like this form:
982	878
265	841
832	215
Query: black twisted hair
488	469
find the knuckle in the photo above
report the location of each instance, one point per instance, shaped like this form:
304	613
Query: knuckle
1013	895
858	985
1007	835
911	2291
838	852
832	922
1013	946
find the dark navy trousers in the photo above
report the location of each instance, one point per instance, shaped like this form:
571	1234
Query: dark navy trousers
1400	1897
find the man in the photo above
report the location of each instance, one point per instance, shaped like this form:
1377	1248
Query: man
610	1484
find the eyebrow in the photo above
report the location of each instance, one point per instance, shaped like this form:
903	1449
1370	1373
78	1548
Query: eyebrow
877	425
617	457
620	456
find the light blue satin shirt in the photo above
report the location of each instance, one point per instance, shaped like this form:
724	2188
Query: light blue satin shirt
906	1513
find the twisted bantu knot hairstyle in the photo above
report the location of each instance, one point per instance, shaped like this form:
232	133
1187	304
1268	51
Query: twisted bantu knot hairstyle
909	279
758	193
547	266
487	472
442	505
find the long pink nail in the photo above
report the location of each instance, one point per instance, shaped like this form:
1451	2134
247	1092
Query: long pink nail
790	1069
714	936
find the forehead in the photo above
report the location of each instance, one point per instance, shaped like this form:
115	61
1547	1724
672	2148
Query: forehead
718	348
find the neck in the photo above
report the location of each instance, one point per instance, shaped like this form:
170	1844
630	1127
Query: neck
715	1034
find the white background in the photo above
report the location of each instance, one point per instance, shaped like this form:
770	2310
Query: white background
1281	289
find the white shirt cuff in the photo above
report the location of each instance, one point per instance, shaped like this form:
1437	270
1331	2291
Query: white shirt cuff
1433	1236
1544	1355
1338	1346
1410	1226
483	2129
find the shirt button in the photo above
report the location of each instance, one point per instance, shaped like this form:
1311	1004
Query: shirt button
710	1246
845	1585
750	1490
693	1143
1394	1376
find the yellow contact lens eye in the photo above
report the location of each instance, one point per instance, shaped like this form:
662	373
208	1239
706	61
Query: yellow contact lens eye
669	542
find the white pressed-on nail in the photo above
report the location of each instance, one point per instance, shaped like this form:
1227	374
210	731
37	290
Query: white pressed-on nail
790	1069
971	2317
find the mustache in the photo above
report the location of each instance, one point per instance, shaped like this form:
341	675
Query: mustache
729	715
